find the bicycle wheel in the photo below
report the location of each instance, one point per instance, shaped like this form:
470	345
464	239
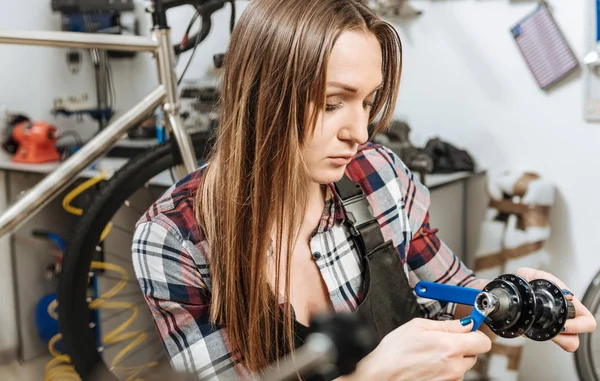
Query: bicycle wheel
587	357
124	197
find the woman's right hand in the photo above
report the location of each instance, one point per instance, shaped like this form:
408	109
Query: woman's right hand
424	349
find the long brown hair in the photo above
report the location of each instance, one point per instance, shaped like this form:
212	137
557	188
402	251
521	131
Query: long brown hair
256	182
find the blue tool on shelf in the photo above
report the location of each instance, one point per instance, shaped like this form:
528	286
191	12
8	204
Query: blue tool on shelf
460	295
598	21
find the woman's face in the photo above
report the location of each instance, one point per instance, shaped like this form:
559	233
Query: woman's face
353	76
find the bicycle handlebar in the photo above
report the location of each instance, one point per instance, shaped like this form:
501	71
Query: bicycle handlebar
205	9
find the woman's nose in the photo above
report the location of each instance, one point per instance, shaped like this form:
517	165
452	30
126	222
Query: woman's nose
356	127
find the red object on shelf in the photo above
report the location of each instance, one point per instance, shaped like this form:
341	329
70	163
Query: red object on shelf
37	142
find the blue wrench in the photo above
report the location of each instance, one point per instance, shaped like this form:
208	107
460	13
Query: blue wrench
460	295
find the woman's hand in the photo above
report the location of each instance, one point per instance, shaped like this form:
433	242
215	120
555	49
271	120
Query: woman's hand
424	350
582	323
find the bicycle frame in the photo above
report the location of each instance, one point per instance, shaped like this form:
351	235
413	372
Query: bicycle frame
165	94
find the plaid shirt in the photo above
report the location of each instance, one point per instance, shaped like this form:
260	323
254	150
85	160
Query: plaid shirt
170	256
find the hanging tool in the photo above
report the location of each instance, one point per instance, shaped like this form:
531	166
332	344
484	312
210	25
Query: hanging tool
509	305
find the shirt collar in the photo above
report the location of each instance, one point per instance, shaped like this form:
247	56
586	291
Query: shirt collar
332	212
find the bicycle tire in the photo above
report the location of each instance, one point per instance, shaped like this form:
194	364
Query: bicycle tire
78	338
587	370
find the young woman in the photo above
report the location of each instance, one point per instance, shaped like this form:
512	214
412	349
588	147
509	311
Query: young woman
236	258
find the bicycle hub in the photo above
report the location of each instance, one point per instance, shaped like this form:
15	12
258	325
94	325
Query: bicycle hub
509	305
514	307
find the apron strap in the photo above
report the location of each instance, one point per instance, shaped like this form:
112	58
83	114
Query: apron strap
359	215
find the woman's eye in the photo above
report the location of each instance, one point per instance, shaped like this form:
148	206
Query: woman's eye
332	106
337	106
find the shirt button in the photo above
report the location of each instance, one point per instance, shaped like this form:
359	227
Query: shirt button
316	255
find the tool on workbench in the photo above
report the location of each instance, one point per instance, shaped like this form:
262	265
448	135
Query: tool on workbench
509	305
36	142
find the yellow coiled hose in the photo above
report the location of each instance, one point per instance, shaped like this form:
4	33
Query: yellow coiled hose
60	367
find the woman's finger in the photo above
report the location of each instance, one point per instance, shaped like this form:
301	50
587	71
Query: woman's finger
567	342
583	322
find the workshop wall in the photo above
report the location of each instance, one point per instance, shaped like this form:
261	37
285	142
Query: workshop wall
464	80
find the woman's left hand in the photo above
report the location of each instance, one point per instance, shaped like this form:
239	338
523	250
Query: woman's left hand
583	322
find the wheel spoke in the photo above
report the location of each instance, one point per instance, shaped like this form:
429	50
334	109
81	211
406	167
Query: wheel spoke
112	254
121	313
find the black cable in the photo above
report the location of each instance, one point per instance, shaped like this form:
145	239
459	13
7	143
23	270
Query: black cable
179	47
206	10
192	21
186	35
189	61
196	43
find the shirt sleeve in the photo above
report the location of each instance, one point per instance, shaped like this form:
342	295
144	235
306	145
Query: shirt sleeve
428	258
178	298
431	260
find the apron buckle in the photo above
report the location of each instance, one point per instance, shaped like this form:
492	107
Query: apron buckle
358	212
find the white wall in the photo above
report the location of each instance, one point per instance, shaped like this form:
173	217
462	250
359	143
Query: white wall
464	80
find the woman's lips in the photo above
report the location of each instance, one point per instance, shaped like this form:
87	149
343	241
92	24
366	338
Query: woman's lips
340	160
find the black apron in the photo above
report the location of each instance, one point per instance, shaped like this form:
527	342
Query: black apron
388	301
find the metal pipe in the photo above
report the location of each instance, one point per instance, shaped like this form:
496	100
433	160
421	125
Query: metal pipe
184	143
100	60
43	192
166	72
78	40
166	75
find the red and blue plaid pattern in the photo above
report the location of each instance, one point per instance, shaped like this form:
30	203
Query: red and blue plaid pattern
170	256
